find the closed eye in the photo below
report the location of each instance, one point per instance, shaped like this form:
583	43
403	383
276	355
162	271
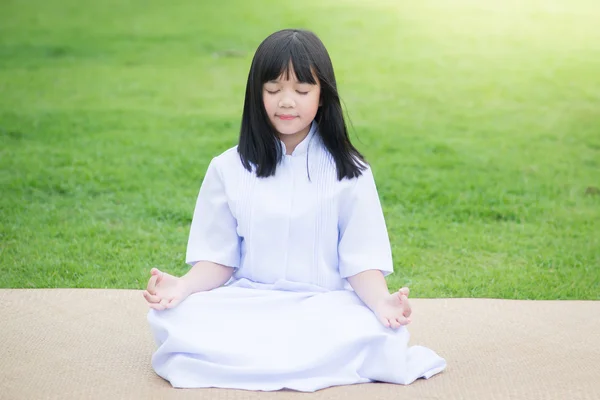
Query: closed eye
272	91
302	93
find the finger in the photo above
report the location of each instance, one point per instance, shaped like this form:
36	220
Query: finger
394	323
164	302
173	303
156	306
397	298
407	308
385	322
159	276
151	298
402	321
152	284
405	291
155	271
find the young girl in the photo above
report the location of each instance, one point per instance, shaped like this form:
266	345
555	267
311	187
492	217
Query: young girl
289	249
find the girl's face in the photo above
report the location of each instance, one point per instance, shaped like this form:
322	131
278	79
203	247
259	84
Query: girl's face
291	105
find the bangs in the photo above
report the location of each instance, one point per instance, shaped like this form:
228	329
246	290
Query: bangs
301	54
288	58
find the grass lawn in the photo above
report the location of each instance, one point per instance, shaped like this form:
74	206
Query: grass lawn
481	120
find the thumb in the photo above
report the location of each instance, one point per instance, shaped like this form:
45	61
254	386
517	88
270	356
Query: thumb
407	308
158	277
158	273
174	302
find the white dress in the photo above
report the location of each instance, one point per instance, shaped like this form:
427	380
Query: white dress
288	318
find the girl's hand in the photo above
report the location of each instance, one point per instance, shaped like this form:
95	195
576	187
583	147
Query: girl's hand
394	311
165	290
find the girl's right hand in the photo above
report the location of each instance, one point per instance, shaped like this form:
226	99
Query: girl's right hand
165	290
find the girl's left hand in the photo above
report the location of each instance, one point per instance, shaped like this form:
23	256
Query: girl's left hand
394	310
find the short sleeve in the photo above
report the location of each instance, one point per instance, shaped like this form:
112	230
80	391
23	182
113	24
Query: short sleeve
213	235
364	242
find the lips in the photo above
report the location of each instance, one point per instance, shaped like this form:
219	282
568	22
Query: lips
286	117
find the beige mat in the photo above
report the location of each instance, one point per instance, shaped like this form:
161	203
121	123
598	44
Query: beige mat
80	344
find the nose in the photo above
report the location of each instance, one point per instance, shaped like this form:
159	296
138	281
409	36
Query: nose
286	102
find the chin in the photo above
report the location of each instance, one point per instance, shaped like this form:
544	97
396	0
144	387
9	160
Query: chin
289	130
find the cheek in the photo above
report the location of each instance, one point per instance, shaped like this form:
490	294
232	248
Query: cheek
314	102
268	103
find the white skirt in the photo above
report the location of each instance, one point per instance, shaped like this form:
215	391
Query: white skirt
269	337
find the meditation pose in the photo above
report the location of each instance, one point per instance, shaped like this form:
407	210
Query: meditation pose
288	249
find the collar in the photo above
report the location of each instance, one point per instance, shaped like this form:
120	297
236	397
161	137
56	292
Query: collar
302	147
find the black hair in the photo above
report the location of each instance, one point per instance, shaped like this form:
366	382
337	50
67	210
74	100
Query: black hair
304	52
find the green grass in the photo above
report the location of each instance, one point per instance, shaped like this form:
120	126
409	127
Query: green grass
481	120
